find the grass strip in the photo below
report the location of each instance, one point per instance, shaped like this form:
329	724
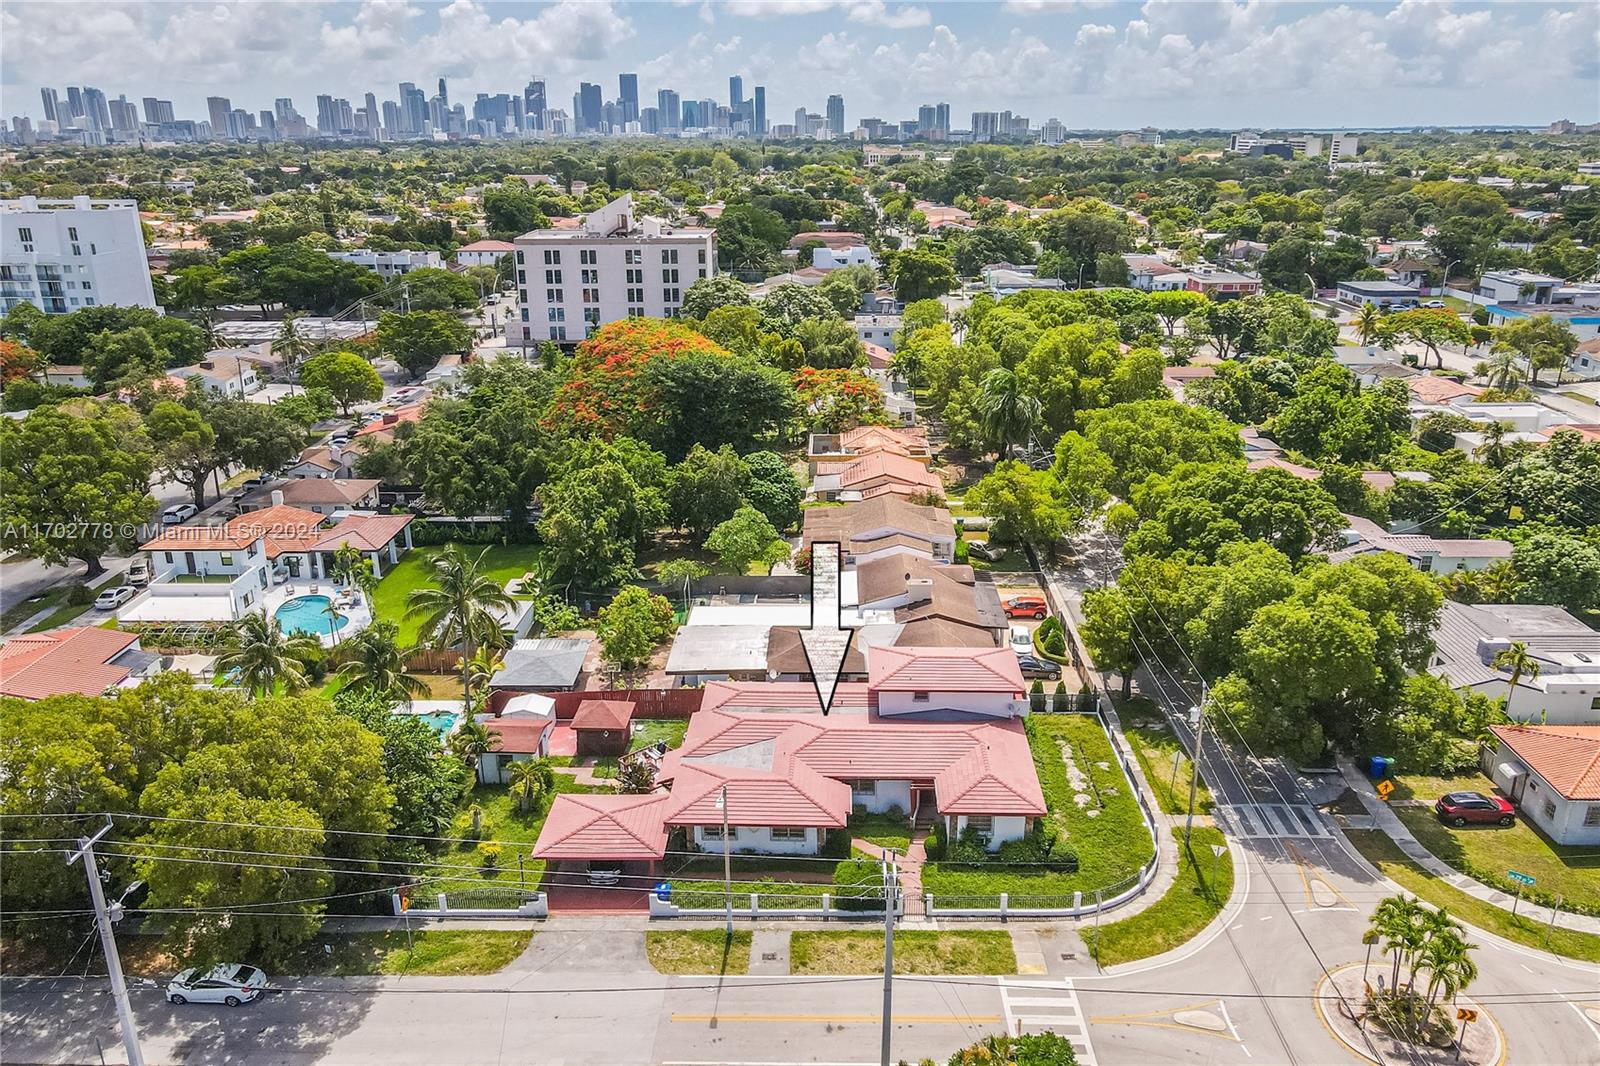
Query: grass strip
916	951
1204	882
698	951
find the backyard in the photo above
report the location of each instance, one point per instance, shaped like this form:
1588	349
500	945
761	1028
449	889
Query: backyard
502	563
1092	810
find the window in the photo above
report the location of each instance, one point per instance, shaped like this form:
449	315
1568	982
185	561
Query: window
553	296
25	235
669	276
702	261
168	555
669	255
522	277
590	277
524	313
591	296
556	314
919	697
713	832
558	333
636	296
72	233
1591	816
1594	704
522	295
587	257
865	786
77	250
981	824
670	296
635	277
793	832
591	315
520	260
635	312
633	256
248	598
552	277
227	558
702	272
552	257
1549	809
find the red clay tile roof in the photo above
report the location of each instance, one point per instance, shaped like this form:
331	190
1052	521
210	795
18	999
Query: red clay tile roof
66	661
487	246
518	736
786	792
1567	756
863	439
366	532
391	419
1439	390
583	826
878	357
944	670
603	714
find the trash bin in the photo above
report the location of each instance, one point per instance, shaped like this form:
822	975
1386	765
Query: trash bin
664	891
1378	767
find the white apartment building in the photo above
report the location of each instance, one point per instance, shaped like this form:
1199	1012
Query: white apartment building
61	255
613	265
1342	148
391	264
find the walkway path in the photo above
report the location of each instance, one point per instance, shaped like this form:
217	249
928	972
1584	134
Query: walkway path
1386	820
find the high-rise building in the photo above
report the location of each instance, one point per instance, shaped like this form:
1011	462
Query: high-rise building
50	105
217	108
759	117
283	109
393	122
124	115
691	114
1342	147
533	105
267	124
327	117
413	109
942	119
65	254
74	104
96	113
985	125
735	92
158	111
650	120
372	114
588	105
836	115
671	111
927	118
444	95
628	96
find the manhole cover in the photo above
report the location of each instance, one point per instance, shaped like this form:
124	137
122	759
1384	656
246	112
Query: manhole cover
769	956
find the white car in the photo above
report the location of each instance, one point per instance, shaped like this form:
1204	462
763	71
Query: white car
1021	640
230	983
178	513
113	598
492	298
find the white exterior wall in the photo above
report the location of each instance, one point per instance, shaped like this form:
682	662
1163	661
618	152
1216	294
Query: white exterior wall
1562	819
696	259
207	561
885	794
993	704
1565	700
759	838
58	274
391	264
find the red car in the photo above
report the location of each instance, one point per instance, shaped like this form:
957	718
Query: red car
1026	607
1460	808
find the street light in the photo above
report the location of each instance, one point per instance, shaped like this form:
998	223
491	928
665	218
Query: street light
1080	274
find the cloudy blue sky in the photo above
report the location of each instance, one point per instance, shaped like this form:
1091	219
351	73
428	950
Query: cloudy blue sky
1091	63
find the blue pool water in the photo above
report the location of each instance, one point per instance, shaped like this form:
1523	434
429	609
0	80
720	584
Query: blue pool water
441	722
309	615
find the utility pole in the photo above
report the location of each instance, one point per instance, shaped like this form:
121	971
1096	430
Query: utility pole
1194	777
108	942
727	858
890	886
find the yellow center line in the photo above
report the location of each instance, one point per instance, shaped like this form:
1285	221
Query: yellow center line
841	1019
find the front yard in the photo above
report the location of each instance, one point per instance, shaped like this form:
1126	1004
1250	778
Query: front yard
1486	852
916	951
502	563
437	953
1092	810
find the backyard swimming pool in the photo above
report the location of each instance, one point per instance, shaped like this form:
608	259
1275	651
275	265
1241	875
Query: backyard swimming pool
309	615
441	722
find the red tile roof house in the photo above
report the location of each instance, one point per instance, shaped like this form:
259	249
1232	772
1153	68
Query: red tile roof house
86	661
1552	773
871	476
910	442
524	725
932	734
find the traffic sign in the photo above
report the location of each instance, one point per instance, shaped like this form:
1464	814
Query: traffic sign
1466	1014
1519	878
1384	788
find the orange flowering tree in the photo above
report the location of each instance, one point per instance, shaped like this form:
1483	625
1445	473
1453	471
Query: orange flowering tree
839	398
605	393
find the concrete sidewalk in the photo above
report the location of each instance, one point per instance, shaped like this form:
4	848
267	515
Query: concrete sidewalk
1385	819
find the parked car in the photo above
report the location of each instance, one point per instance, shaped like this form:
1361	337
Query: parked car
1035	667
984	550
492	298
340	439
1460	808
1026	607
1433	303
601	873
230	983
111	599
250	484
1021	640
178	513
139	572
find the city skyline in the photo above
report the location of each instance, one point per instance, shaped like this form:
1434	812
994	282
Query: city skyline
1090	64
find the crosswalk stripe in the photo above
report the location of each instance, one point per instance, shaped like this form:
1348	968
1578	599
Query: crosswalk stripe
1047	1005
1273	820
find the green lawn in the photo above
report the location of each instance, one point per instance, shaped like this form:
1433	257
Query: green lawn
1111	843
916	951
53	598
698	951
647	731
502	882
1428	787
1154	744
886	830
1486	852
502	563
1383	853
1197	896
438	953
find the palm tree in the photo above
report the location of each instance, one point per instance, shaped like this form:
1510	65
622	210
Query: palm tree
1504	368
458	609
1520	663
1397	921
374	663
480	667
265	656
293	348
1365	323
1450	968
530	779
472	741
1006	412
354	568
1493	448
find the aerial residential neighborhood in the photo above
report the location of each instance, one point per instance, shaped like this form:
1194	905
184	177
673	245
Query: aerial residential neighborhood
762	534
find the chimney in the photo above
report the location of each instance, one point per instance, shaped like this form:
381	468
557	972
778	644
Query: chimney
277	497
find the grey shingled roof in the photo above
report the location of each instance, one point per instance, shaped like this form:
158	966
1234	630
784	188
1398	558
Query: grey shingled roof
551	662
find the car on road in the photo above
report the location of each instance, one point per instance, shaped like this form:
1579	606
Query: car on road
178	514
1021	640
492	298
1036	667
231	983
1026	607
139	572
1463	808
115	597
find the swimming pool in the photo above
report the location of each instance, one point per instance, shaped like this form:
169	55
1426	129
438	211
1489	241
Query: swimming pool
309	615
441	722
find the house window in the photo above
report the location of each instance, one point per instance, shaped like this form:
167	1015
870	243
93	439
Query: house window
1594	704
520	260
714	832
72	233
168	555
586	257
227	559
552	258
635	277
591	296
702	260
1591	816
864	787
669	255
552	277
589	277
795	832
25	235
669	277
919	697
633	256
981	824
247	599
1549	809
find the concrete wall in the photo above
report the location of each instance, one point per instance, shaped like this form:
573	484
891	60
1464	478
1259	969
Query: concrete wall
759	838
992	704
885	794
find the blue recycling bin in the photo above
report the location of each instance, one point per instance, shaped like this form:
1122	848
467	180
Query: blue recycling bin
664	891
1378	767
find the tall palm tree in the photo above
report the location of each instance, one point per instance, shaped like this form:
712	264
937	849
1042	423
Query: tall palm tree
1449	966
1521	664
480	667
458	608
265	656
1365	323
1398	920
529	779
374	663
1504	367
1493	449
471	741
1006	412
292	347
